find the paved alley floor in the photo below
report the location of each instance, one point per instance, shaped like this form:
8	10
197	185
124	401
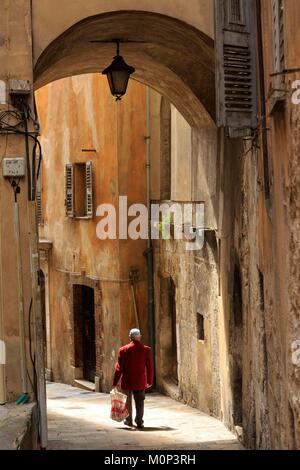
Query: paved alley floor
79	419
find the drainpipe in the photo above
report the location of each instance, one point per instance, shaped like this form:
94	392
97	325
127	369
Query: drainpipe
24	395
262	91
133	278
151	312
2	343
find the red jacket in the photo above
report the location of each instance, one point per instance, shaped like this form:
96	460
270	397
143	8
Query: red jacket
134	366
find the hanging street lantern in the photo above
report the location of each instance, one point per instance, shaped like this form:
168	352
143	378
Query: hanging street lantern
118	74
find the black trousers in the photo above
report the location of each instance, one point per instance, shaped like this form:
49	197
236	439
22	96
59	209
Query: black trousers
139	399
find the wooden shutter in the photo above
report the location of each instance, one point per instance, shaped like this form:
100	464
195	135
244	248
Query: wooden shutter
235	48
89	189
69	190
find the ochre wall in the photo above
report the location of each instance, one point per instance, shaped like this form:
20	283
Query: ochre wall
75	114
16	61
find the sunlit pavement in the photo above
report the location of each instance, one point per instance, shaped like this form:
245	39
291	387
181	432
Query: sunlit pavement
79	419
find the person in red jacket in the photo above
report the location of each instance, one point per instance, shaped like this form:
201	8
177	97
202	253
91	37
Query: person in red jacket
135	369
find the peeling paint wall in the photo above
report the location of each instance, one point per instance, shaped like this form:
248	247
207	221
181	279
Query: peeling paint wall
16	61
80	122
192	167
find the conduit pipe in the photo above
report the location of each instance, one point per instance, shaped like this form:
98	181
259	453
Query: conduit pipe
151	313
20	301
2	343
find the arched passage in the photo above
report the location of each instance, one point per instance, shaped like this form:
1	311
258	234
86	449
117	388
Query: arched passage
177	60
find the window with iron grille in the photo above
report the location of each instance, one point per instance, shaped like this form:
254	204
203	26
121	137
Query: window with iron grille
200	327
79	190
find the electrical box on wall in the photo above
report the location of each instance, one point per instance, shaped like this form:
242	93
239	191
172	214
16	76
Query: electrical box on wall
19	87
13	167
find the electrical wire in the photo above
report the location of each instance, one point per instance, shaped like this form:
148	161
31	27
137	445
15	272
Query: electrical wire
21	117
20	126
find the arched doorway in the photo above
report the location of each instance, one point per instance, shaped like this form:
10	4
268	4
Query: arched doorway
167	331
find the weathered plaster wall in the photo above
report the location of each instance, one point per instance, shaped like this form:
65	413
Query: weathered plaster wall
76	114
194	273
15	61
269	241
259	236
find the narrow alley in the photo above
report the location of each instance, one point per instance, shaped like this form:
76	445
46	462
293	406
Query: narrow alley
79	419
150	225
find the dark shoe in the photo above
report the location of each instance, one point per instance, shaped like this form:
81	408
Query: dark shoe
140	425
128	422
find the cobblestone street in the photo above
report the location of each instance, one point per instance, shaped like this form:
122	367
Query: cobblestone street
79	419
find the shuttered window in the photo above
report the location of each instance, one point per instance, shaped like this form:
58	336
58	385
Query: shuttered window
69	190
235	47
39	208
79	190
89	189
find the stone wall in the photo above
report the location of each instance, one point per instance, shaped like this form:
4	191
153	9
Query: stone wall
190	166
19	427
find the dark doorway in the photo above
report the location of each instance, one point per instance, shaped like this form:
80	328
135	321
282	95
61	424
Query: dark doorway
173	316
84	325
168	331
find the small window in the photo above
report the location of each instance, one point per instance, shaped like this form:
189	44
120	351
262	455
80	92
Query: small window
200	327
261	289
79	192
237	298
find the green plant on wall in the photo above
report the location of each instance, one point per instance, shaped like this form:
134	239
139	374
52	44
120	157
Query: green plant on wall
164	227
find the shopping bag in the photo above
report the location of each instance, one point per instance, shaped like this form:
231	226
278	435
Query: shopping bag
118	410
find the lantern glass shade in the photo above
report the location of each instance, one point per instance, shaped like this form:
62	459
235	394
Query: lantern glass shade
118	74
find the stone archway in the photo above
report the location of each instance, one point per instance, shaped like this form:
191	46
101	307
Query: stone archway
170	56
